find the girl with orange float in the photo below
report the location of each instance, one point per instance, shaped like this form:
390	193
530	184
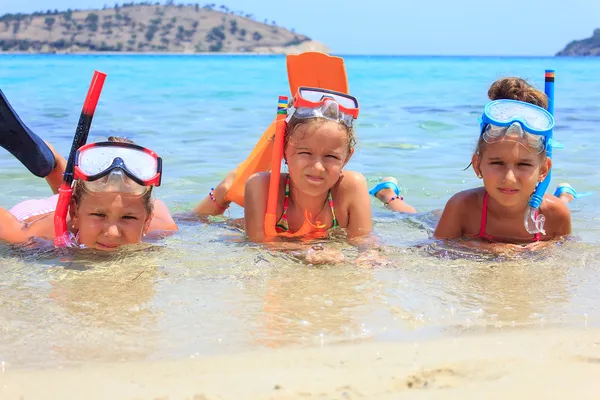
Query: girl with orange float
316	141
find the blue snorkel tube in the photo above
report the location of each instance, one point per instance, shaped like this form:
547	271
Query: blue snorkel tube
534	221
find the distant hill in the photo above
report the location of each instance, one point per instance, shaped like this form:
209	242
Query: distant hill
148	27
585	47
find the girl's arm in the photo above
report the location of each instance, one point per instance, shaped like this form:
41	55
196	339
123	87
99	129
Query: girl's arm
11	230
360	220
255	205
450	224
162	219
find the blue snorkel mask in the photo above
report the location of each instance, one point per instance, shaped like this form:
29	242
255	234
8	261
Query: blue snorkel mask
528	124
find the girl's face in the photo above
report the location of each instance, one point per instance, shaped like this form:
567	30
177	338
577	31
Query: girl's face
316	154
510	172
106	221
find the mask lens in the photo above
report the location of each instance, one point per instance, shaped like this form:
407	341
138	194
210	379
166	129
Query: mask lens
117	182
316	96
534	117
97	159
533	143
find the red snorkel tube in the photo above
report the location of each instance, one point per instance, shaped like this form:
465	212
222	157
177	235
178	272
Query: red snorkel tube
271	214
61	236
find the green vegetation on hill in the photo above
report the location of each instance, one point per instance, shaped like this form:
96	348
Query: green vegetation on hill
585	47
145	27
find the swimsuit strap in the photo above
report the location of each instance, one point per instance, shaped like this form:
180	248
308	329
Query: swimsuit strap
330	198
536	238
282	224
482	233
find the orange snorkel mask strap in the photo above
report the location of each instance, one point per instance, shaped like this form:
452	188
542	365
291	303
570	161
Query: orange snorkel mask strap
272	200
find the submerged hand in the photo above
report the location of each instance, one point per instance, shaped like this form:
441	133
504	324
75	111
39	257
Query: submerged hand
317	254
371	258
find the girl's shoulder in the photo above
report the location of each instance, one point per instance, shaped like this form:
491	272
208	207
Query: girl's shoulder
350	184
467	198
557	214
555	206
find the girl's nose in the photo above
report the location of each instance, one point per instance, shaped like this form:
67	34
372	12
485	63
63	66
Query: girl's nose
510	176
113	231
319	166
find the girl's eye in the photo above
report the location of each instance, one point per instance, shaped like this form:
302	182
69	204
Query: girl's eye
98	215
524	164
129	217
332	156
304	152
497	163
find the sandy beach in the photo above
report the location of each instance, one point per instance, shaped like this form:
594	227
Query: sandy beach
556	364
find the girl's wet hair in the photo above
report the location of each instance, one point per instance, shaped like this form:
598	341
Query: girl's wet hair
513	88
294	123
79	189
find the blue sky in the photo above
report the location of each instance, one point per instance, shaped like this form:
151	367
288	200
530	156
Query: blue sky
418	27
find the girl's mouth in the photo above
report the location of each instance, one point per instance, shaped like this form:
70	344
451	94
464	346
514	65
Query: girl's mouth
508	191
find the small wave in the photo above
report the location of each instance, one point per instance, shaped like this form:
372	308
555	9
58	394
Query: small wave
436	126
55	115
399	146
426	110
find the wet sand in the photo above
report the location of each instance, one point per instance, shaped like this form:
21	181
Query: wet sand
520	364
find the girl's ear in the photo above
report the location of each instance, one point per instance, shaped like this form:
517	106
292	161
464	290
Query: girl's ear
476	163
147	223
350	153
545	168
74	214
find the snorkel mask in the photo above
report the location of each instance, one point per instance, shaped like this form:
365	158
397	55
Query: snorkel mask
523	122
117	167
531	126
322	103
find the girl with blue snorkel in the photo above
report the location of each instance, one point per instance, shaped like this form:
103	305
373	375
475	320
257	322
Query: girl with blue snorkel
512	159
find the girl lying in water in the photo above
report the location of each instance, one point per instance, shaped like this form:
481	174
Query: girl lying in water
511	158
316	194
110	207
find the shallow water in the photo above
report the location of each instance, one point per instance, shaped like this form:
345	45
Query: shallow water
206	290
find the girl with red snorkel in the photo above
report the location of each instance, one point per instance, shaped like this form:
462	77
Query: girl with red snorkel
111	200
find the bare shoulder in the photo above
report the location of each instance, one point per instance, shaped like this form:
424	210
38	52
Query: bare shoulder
257	189
466	199
351	181
558	216
554	206
457	218
258	180
351	188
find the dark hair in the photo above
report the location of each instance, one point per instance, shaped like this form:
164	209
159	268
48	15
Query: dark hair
513	88
79	190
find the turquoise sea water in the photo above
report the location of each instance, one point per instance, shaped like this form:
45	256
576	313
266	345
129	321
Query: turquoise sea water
206	290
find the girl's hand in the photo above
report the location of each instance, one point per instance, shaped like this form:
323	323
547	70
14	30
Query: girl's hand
317	254
371	258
